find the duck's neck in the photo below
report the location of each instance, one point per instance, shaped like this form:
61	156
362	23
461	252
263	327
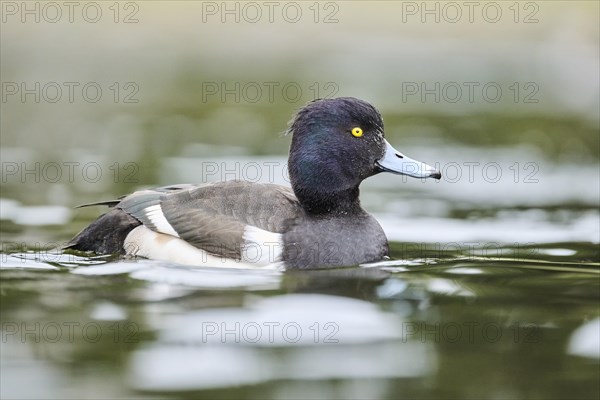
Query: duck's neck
329	203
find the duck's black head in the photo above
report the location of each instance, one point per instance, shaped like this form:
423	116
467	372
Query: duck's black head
336	144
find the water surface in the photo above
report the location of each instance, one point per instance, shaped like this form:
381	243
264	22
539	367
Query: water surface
483	297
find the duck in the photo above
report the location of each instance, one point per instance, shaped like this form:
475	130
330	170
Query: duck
336	143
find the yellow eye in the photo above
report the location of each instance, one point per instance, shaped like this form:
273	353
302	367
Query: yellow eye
357	132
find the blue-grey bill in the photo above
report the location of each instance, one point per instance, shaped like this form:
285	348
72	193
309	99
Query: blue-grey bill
397	163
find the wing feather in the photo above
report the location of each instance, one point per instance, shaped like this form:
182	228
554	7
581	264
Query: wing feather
214	217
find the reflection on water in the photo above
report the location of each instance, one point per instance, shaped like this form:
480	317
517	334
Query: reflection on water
289	337
392	327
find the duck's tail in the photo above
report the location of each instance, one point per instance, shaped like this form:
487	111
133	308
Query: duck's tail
106	234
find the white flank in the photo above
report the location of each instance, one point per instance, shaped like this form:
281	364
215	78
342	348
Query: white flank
156	216
261	247
144	242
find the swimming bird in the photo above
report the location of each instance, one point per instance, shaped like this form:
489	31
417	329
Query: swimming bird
318	222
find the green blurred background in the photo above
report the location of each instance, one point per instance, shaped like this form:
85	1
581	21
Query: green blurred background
177	56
